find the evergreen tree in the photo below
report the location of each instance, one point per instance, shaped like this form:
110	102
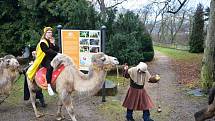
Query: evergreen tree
130	42
197	34
22	21
9	40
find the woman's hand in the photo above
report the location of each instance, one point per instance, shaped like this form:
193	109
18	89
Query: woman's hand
52	40
125	71
126	67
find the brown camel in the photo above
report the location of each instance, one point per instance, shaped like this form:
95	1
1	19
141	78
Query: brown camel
209	111
9	72
71	79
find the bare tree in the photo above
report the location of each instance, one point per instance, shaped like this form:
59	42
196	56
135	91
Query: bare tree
170	25
144	14
172	6
208	68
155	9
175	9
149	15
175	24
157	13
103	7
161	32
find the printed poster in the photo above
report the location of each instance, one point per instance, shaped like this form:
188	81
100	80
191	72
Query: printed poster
80	45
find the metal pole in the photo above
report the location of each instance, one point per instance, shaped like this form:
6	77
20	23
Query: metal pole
59	27
103	37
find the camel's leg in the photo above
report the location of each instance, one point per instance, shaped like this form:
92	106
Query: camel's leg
66	99
32	90
59	114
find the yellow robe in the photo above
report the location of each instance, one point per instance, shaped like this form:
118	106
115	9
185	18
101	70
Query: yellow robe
39	57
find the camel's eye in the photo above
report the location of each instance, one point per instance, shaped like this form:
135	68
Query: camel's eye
8	61
103	58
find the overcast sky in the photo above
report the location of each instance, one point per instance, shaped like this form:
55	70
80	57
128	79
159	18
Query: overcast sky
135	4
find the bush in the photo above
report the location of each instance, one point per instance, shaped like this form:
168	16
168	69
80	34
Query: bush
130	42
148	56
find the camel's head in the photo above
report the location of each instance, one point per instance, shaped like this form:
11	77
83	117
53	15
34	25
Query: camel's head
10	62
60	59
102	61
1	61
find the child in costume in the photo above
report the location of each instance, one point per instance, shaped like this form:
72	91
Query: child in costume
137	97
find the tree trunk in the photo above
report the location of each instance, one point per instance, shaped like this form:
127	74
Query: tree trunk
102	9
208	68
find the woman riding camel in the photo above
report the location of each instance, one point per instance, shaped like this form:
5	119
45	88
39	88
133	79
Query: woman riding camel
46	50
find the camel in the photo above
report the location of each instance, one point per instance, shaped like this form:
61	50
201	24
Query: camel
9	72
71	80
209	111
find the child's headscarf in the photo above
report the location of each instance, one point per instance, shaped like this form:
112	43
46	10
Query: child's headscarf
139	77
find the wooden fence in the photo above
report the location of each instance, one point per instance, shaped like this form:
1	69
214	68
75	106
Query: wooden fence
173	46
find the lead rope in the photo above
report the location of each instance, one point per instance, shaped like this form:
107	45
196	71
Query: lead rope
158	98
117	74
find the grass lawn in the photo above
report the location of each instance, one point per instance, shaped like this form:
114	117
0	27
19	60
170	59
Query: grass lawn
16	96
179	54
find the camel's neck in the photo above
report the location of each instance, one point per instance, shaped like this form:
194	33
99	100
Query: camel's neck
7	75
96	75
13	74
93	82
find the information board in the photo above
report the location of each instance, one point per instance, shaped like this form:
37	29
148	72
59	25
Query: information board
80	45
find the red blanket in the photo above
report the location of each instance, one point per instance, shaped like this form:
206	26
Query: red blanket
41	77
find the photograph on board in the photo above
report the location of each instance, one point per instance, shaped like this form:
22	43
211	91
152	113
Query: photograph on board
84	48
94	34
84	41
94	49
94	41
84	33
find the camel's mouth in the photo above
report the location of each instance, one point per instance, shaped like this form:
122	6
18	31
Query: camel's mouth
115	61
14	68
111	65
111	60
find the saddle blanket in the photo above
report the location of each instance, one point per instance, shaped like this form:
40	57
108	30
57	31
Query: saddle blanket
40	77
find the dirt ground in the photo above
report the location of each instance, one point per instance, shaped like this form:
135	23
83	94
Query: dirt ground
176	104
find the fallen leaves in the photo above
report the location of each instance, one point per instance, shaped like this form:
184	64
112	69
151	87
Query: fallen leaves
188	73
